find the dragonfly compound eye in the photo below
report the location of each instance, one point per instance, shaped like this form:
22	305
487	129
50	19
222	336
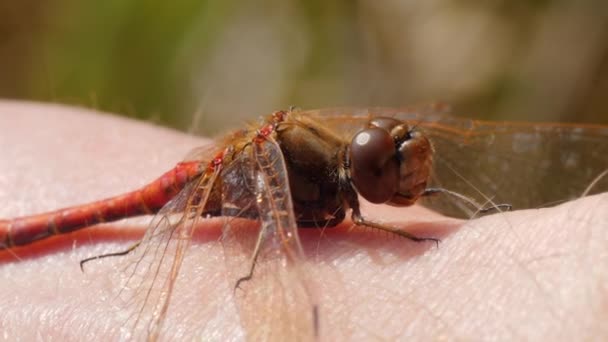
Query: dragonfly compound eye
374	165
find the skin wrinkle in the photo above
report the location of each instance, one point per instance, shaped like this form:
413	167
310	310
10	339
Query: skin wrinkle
479	282
510	255
596	252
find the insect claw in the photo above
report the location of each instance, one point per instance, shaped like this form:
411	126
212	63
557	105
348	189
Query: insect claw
497	207
423	239
83	261
436	241
237	286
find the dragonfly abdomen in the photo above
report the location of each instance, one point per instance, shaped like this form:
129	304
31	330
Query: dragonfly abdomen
146	200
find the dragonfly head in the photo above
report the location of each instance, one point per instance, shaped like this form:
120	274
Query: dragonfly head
390	162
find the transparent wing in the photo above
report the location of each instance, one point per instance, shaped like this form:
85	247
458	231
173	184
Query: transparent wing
277	302
149	274
144	279
528	165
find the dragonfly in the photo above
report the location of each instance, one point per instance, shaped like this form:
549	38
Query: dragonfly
308	169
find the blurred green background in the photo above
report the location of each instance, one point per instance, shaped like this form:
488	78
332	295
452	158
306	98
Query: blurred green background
205	65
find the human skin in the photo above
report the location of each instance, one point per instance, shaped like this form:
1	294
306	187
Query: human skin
524	275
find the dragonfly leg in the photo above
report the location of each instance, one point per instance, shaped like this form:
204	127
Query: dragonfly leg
254	259
360	221
467	200
322	223
121	253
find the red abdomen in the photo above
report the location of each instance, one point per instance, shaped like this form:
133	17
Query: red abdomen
146	200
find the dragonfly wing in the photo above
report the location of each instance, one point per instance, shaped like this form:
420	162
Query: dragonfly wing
148	274
277	303
347	121
525	165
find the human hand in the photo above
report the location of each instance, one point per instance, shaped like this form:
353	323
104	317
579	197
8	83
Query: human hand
534	274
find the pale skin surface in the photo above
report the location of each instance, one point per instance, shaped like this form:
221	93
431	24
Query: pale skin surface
525	275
